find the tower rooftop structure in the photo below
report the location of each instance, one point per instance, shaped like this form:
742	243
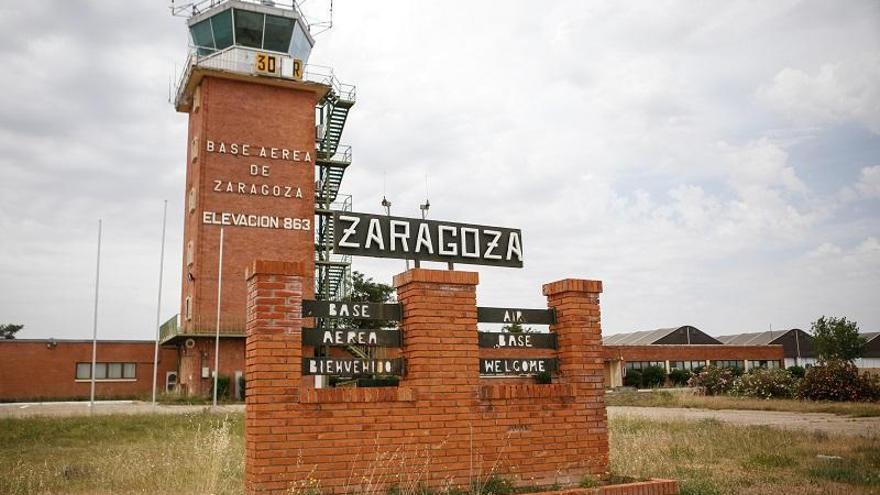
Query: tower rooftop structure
240	39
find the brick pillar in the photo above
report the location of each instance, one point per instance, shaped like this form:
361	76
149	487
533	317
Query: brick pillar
273	356
439	332
579	335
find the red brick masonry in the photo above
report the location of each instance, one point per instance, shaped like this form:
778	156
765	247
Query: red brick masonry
443	425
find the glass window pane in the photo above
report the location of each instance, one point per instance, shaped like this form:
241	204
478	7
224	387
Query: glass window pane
248	28
278	33
114	370
300	48
222	24
100	371
128	371
83	371
201	34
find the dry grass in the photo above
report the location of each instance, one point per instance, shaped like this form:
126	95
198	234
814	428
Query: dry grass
201	454
155	454
663	398
709	457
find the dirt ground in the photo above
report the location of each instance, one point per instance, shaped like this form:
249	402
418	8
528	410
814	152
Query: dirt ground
822	422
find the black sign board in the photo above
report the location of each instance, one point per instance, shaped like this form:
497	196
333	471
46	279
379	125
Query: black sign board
525	340
350	336
383	236
352	367
518	366
516	315
361	310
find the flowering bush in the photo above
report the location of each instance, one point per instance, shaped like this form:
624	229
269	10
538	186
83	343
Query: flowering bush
838	381
765	384
679	377
713	381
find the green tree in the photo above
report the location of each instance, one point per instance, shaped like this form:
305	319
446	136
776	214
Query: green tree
837	339
364	289
516	327
8	330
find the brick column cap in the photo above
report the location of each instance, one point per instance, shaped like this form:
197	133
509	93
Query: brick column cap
451	277
573	285
272	267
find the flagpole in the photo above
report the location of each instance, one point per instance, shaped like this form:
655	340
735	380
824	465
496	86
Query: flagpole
95	324
159	301
217	337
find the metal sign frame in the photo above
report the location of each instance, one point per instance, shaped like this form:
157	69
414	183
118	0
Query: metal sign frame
524	340
349	309
316	337
382	236
526	316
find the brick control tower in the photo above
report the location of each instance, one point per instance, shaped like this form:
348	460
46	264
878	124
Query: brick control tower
263	163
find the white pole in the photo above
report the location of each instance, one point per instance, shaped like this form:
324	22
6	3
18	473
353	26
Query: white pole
95	323
217	337
159	302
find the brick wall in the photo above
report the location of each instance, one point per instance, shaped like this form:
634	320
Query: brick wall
443	425
257	113
41	369
201	354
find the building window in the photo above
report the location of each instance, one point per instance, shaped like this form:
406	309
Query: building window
728	364
192	199
187	308
640	365
687	365
194	148
769	364
189	253
106	371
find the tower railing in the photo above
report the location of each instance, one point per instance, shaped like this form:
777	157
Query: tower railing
240	60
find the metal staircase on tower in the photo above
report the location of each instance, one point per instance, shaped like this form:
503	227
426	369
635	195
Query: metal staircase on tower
332	272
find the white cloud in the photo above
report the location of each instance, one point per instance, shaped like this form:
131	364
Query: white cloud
836	92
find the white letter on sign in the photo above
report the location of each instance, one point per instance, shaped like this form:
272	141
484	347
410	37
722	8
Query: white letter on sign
403	236
492	245
374	234
348	232
447	249
514	247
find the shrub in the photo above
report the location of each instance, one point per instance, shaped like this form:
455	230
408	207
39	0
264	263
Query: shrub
713	381
838	380
797	371
241	387
633	378
679	377
223	382
765	384
653	376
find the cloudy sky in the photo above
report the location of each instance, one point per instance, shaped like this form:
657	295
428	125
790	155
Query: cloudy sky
713	163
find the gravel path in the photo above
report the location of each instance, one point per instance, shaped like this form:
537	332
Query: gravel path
22	409
821	422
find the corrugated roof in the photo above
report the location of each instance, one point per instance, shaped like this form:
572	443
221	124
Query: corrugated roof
869	336
644	337
754	338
